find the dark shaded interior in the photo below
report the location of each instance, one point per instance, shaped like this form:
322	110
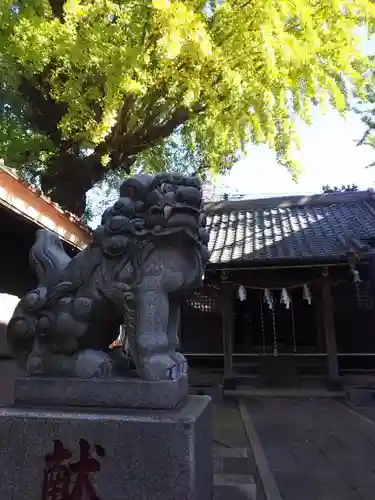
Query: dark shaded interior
17	235
297	331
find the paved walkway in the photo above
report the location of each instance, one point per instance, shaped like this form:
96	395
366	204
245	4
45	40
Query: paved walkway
316	449
233	459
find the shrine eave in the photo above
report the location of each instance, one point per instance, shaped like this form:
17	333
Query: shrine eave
292	231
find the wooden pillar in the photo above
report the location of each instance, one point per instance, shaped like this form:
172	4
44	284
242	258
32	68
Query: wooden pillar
227	321
371	271
329	330
317	304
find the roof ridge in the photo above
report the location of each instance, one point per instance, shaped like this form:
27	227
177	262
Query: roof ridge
290	201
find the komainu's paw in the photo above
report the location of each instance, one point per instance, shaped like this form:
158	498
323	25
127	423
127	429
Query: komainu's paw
34	365
158	367
93	364
181	362
84	364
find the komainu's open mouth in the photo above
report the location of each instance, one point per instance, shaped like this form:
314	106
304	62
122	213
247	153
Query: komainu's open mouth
181	215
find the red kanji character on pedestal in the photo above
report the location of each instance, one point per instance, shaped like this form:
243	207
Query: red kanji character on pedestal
56	474
86	465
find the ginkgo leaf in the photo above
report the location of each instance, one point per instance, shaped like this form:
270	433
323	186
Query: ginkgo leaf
120	77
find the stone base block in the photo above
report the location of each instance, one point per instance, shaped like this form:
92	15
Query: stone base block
103	454
129	392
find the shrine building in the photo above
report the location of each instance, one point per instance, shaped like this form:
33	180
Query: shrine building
288	293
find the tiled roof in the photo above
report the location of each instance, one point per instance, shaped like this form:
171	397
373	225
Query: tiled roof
324	227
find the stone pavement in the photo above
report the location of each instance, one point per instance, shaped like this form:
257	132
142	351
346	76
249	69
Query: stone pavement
316	449
235	470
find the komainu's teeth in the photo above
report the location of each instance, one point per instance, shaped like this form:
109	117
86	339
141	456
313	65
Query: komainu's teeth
167	211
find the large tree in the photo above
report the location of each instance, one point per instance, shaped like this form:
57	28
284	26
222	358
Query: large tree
95	87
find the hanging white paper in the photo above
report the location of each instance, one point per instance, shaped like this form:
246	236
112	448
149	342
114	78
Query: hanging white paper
307	294
242	293
285	298
356	276
268	297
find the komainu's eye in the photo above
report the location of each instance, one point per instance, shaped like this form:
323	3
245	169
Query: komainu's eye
166	187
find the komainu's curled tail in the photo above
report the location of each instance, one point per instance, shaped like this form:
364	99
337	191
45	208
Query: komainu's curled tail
35	314
48	257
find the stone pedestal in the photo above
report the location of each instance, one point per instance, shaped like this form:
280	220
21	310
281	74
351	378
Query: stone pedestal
101	393
128	453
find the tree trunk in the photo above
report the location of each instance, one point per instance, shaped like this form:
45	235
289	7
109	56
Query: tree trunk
68	177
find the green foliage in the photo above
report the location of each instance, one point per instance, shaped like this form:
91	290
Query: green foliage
20	146
366	108
152	83
343	189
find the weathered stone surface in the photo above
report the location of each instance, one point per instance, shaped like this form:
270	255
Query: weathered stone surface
149	455
149	251
116	393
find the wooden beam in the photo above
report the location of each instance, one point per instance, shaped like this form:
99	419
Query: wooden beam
275	278
24	200
227	317
329	330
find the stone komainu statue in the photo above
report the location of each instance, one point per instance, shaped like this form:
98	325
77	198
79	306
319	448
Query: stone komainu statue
150	249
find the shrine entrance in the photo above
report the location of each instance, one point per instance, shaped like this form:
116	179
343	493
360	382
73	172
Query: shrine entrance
275	322
309	323
275	334
279	327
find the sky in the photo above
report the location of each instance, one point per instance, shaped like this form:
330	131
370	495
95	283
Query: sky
328	155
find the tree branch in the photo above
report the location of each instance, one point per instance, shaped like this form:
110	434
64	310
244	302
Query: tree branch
161	131
139	141
123	154
122	120
364	138
57	7
154	133
42	111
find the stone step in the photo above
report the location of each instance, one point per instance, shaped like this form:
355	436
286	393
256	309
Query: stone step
231	465
360	396
234	487
229	452
284	393
231	460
